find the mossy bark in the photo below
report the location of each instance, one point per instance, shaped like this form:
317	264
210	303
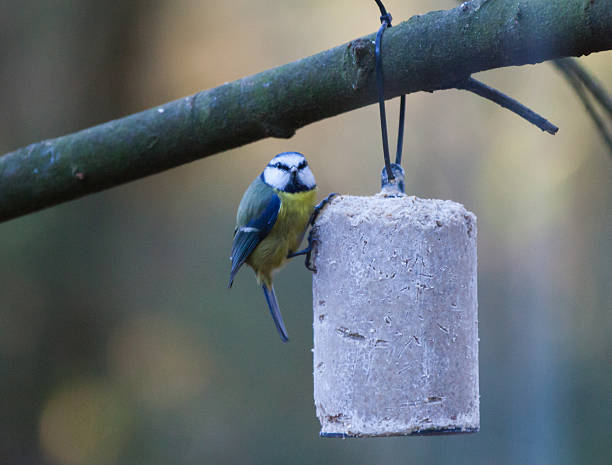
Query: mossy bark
427	52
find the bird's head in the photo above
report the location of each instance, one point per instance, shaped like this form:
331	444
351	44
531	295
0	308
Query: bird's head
289	172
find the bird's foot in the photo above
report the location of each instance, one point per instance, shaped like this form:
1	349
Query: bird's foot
322	204
308	250
304	251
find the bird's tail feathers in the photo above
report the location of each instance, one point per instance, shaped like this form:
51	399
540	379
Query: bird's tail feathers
275	311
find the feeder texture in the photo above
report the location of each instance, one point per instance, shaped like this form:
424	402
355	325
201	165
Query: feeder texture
395	317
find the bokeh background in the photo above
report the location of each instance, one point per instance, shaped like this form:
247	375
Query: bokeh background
119	342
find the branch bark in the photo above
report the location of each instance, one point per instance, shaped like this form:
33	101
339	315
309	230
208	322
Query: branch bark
426	53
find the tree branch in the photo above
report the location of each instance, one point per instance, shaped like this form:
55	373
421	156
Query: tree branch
428	52
596	89
479	88
578	85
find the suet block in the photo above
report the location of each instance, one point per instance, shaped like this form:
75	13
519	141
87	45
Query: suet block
395	317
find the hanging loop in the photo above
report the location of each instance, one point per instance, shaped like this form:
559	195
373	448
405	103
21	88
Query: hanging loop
380	79
391	171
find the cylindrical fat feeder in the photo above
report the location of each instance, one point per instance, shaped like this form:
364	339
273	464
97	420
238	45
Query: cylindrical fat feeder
395	317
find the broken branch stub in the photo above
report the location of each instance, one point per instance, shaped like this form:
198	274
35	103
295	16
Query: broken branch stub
395	317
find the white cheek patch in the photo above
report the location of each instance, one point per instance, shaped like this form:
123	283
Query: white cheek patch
275	177
307	178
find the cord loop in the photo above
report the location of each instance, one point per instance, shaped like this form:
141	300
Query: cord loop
389	176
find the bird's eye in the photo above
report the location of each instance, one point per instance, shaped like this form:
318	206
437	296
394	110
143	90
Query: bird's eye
302	165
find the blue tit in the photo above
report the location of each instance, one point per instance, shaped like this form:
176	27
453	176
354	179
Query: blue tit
271	221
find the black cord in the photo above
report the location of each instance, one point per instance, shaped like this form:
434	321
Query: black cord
384	16
385	19
400	131
381	94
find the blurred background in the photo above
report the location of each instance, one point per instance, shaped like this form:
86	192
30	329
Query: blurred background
119	341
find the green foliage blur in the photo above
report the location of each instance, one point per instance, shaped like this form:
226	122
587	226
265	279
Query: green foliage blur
119	341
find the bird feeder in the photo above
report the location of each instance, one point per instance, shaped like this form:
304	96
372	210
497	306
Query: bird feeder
395	317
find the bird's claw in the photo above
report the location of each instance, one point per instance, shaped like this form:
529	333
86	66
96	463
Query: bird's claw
308	261
308	250
322	204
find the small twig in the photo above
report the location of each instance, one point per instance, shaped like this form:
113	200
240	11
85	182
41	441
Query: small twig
578	86
509	103
590	82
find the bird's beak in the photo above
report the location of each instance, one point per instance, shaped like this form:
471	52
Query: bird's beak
293	172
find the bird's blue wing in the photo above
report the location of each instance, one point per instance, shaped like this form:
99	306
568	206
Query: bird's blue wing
252	233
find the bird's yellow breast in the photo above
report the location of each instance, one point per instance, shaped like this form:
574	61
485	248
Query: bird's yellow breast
286	234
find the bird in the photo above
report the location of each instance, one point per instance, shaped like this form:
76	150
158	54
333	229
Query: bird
271	221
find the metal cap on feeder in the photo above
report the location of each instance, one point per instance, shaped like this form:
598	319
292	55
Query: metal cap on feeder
396	185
